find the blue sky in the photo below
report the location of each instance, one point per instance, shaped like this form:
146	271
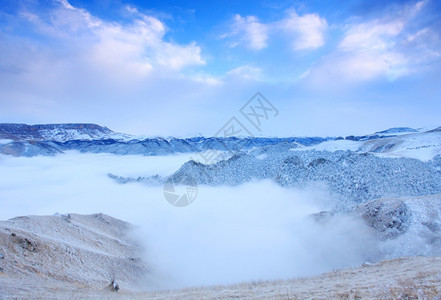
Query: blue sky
186	67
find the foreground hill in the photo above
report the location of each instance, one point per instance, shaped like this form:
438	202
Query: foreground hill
401	278
64	256
68	252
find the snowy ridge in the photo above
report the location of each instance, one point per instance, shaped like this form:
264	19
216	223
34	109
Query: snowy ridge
51	139
421	145
26	140
57	132
353	176
397	130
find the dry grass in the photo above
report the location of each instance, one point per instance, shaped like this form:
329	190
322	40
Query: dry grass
409	289
403	278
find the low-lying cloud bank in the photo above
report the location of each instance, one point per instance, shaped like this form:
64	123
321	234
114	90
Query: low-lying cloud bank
254	231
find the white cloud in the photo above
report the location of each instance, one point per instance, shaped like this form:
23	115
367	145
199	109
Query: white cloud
133	49
253	34
359	66
72	16
66	4
368	50
178	57
132	10
371	36
306	32
376	48
140	48
247	72
419	34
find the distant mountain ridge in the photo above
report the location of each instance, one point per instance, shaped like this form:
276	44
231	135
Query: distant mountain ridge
52	139
395	130
53	132
88	131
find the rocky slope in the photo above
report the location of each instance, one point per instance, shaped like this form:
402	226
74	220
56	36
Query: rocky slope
409	226
69	251
403	226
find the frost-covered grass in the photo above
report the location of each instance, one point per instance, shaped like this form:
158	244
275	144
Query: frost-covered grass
403	278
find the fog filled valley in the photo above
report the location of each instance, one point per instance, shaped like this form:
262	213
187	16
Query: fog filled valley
257	230
277	209
220	149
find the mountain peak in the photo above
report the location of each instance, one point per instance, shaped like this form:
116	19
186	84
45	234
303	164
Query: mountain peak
55	132
396	130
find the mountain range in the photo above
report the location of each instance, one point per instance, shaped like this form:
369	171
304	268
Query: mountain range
51	139
391	163
391	179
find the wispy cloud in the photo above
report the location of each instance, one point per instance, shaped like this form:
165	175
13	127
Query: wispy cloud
136	48
305	32
247	72
250	32
382	47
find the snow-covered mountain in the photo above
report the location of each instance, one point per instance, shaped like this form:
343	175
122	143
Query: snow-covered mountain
51	139
352	176
420	145
391	163
27	140
57	132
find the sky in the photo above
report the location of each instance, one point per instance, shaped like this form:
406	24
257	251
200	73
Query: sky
185	68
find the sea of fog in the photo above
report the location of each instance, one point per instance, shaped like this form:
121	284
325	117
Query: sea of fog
253	231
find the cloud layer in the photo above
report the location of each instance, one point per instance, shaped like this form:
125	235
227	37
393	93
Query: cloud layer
229	234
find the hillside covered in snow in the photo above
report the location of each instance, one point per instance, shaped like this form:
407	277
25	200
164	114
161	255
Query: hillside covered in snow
390	163
400	163
52	139
87	256
69	252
